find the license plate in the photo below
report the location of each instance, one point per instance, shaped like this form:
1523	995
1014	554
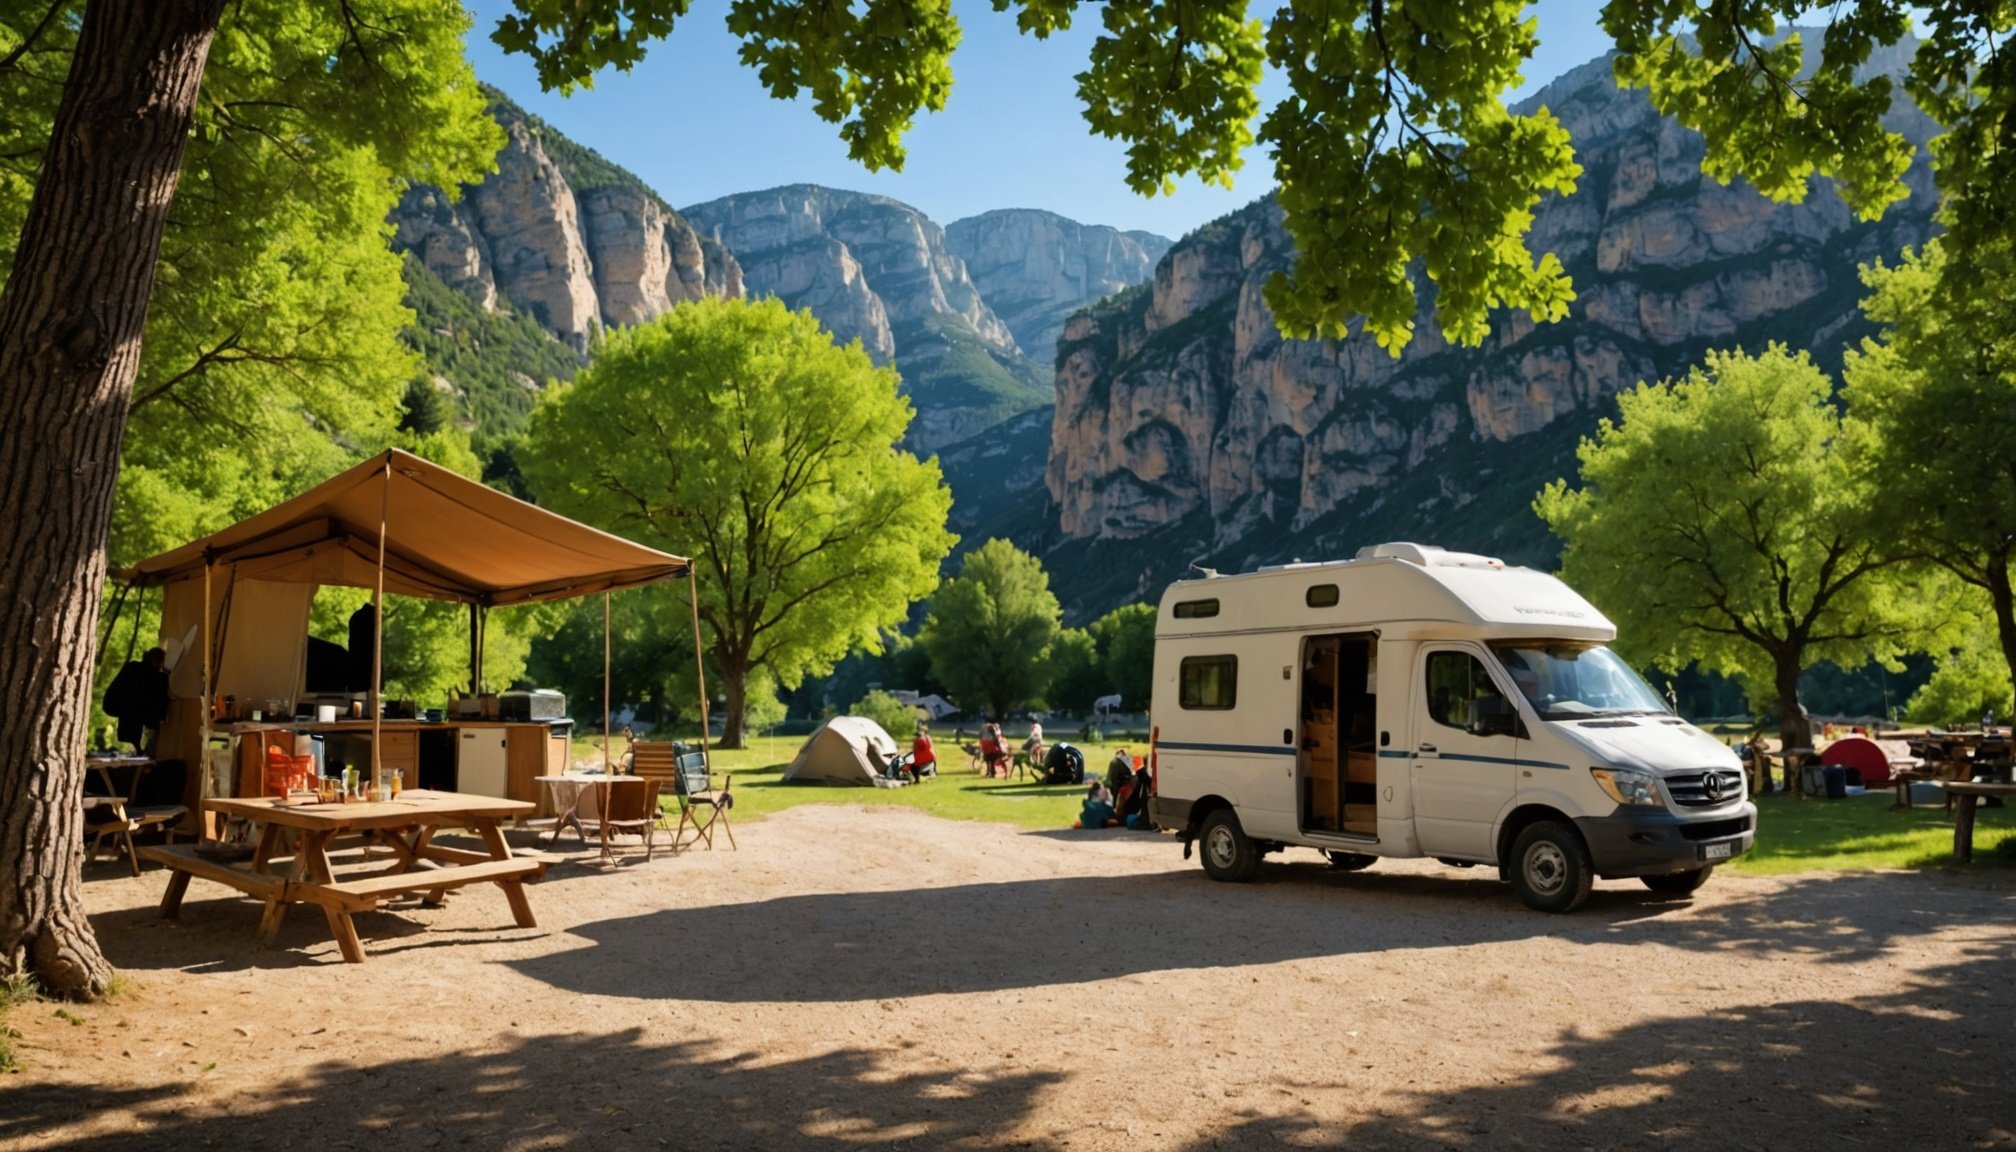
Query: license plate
1716	851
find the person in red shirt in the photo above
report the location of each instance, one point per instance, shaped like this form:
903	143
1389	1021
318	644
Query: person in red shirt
994	751
923	758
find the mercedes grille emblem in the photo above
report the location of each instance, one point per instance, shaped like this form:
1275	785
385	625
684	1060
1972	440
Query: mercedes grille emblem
1711	784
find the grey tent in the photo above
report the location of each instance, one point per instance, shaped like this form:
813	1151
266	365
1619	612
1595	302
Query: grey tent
843	750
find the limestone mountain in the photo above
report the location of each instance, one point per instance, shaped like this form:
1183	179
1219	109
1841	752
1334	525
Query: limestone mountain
561	234
877	270
1187	429
1036	268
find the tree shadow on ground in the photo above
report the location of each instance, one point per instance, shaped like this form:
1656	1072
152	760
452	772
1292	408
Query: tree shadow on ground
1926	1067
585	1091
836	947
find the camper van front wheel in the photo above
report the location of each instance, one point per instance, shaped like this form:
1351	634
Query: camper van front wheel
1228	854
1550	867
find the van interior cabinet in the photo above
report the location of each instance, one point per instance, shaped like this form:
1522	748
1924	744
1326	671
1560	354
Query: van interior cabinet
1338	759
482	766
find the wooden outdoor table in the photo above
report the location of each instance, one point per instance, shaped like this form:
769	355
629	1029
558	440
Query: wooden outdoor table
406	825
1969	793
565	791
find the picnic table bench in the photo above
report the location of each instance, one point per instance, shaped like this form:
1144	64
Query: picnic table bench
405	825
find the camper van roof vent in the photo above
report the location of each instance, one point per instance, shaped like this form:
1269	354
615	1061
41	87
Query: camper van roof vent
1428	556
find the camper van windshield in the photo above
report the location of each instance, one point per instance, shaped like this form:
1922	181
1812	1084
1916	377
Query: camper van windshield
1577	681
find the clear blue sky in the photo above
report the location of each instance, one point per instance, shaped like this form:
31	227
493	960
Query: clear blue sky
695	124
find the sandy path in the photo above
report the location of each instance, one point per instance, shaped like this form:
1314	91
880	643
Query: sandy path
875	977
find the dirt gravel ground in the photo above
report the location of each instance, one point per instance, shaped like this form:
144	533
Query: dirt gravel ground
857	978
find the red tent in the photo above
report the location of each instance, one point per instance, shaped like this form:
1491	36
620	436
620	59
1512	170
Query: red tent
1869	759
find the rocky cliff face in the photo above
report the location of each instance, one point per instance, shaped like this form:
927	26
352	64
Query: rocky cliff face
1036	268
873	269
1182	414
562	235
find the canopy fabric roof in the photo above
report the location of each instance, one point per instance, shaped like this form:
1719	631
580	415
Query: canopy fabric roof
446	538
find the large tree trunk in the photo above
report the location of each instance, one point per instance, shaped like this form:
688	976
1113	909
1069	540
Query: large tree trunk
2001	595
735	688
1795	728
71	317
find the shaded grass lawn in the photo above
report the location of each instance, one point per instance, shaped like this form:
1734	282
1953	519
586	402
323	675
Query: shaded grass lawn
1793	835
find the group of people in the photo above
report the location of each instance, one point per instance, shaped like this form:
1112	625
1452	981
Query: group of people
1121	799
995	755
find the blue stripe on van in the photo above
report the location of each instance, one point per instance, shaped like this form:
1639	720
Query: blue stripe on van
1512	760
1255	749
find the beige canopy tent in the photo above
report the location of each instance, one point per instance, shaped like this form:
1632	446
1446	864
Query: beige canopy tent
394	523
843	750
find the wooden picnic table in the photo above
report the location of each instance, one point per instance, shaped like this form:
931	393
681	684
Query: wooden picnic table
406	825
1969	794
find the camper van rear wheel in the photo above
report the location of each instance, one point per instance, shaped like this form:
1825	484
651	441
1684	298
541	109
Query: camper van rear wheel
1550	867
1351	861
1678	883
1228	854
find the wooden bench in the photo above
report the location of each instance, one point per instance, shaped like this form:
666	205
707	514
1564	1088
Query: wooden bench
339	899
183	862
1969	794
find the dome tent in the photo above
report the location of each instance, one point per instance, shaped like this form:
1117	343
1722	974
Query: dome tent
844	750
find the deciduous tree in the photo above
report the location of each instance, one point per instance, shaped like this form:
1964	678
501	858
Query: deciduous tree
1076	677
991	627
1126	638
1721	519
363	93
1935	395
739	434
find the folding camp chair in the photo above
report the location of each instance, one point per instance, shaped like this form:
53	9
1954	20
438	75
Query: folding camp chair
623	804
700	804
660	761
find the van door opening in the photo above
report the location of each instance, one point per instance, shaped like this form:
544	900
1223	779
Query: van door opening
1338	757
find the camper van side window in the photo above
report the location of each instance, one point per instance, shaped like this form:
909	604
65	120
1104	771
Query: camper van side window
1196	609
1209	682
1456	681
1321	596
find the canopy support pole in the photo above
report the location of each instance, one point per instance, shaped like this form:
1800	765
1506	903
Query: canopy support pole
475	651
112	623
378	628
699	665
207	708
607	736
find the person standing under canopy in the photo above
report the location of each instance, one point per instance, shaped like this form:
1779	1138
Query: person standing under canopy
138	699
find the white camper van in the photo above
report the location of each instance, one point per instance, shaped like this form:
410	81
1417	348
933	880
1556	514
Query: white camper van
1417	702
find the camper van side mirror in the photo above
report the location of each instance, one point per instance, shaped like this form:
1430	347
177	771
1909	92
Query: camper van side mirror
1493	716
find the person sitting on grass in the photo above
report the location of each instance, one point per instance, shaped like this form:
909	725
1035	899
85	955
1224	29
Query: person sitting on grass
1097	811
1130	802
1119	771
923	758
1064	765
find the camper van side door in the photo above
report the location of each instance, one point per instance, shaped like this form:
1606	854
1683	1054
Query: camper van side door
1463	771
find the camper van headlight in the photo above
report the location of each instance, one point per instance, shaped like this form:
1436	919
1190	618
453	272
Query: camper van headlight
1627	785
